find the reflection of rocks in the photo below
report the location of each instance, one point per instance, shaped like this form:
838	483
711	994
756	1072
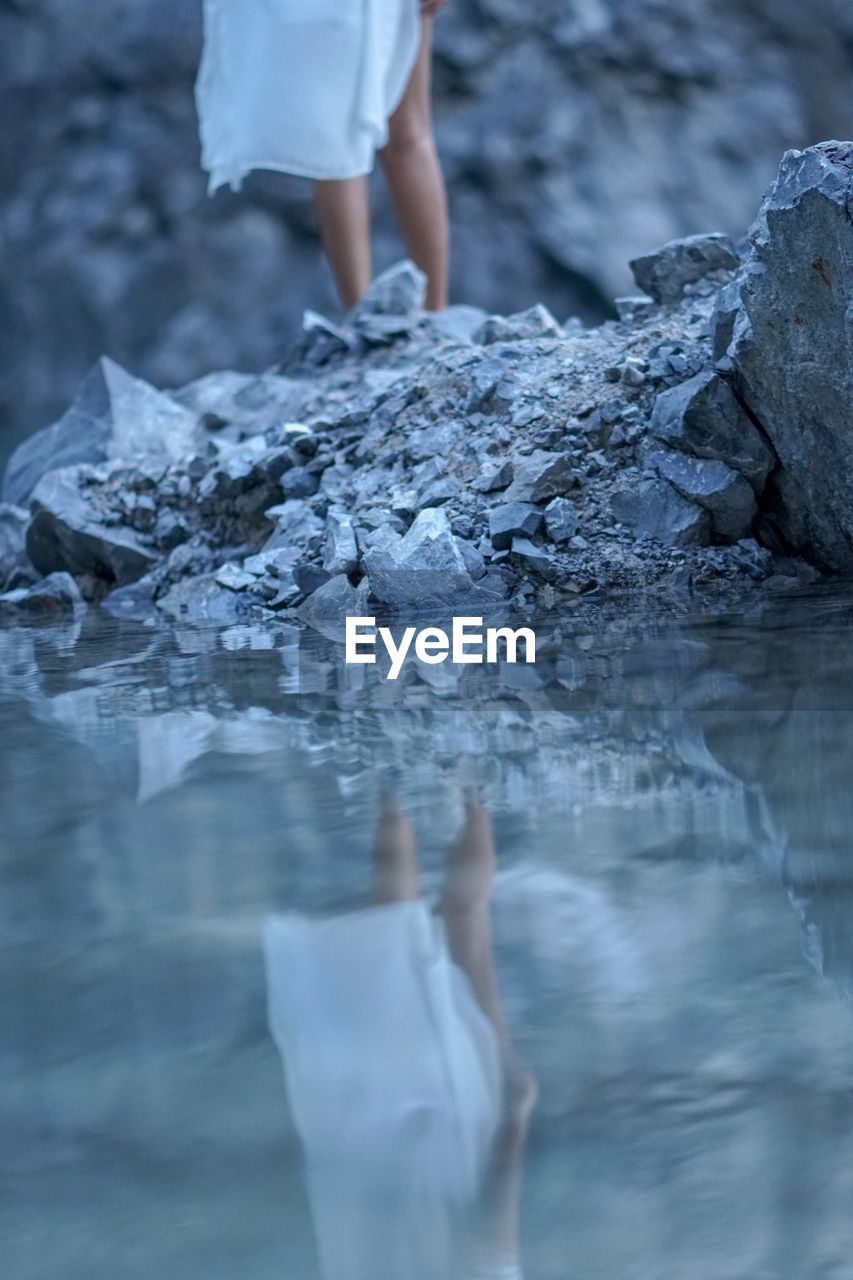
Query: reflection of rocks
55	596
740	739
785	738
500	464
648	783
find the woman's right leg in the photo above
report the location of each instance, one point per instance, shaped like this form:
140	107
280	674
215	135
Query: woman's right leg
414	178
343	216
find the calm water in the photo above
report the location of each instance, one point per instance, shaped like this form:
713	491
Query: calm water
668	934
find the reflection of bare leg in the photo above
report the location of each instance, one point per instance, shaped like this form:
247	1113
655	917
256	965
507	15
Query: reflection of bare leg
395	856
502	1194
465	908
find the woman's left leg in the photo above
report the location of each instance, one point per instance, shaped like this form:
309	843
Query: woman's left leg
343	215
414	177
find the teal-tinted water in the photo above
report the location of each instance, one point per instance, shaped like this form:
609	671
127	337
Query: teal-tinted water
668	932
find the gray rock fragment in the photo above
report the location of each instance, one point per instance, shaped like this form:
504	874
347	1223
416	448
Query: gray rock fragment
704	417
535	559
664	274
295	525
66	534
327	608
456	323
752	559
725	495
438	491
474	561
320	342
424	567
135	600
540	476
299	482
723	320
654	509
392	305
13	532
536	322
340	553
495	478
275	562
234	577
170	529
513	519
561	520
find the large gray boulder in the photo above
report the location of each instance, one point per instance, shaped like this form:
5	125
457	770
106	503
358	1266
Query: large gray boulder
793	347
113	415
65	534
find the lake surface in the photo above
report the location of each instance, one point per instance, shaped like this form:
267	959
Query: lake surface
669	930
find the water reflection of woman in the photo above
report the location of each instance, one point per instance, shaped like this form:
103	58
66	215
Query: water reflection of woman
410	1103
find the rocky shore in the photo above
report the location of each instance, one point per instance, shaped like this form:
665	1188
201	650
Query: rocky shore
581	132
413	462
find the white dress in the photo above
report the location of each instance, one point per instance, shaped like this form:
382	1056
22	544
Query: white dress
394	1079
301	86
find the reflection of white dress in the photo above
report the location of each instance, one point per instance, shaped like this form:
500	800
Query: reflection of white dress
302	86
394	1079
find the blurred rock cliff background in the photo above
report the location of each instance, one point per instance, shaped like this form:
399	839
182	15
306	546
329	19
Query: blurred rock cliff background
575	134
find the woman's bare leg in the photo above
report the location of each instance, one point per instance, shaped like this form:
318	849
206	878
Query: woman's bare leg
343	216
465	907
395	856
414	178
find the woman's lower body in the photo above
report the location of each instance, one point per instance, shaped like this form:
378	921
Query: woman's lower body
415	183
318	89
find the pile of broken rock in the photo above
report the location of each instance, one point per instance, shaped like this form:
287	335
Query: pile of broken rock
408	461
